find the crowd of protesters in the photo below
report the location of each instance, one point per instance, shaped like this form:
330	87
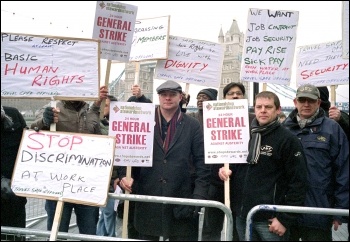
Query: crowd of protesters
305	163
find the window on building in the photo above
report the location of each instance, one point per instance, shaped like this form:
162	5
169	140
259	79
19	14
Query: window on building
145	86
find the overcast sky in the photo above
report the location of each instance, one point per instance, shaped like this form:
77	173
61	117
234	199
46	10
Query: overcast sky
319	22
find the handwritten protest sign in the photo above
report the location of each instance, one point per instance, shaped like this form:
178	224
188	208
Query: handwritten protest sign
34	66
269	46
192	61
322	64
226	131
132	124
114	26
345	29
151	39
64	166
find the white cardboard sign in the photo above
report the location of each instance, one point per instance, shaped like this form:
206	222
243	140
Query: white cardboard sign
34	66
226	131
64	166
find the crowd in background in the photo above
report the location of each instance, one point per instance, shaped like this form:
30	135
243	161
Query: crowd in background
302	160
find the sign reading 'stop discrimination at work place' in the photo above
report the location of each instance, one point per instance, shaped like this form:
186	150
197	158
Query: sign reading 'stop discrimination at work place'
72	167
34	66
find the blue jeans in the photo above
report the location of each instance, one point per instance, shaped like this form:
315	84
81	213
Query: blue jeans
259	231
107	222
87	216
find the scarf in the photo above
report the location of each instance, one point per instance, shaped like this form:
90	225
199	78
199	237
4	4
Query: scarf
303	122
255	141
171	127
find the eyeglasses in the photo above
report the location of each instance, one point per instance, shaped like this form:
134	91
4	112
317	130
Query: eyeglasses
233	93
203	97
305	99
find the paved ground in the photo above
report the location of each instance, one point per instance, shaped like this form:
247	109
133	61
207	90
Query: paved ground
35	210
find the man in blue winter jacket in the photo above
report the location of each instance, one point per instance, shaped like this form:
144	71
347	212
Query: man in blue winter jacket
327	152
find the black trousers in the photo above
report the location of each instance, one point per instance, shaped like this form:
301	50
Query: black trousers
13	214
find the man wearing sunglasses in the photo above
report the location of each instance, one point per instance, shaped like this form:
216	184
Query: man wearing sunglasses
327	152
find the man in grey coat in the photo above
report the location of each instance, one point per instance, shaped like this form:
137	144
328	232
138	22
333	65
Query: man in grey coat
177	136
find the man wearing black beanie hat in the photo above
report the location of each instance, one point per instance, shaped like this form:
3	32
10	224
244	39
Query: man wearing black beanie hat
210	92
342	118
207	94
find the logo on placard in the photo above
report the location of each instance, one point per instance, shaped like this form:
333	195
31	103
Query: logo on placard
116	109
102	5
209	106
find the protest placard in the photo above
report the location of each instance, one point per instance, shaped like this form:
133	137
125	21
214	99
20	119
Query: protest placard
322	64
345	29
64	166
34	66
114	25
132	124
151	39
269	46
192	61
226	131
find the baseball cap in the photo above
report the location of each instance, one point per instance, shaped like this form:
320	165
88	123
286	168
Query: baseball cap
309	91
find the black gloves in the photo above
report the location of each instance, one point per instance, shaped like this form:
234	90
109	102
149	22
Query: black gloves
6	191
197	209
184	211
187	211
48	116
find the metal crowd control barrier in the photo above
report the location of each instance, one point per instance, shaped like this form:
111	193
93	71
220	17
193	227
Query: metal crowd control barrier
60	235
182	201
290	209
137	198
